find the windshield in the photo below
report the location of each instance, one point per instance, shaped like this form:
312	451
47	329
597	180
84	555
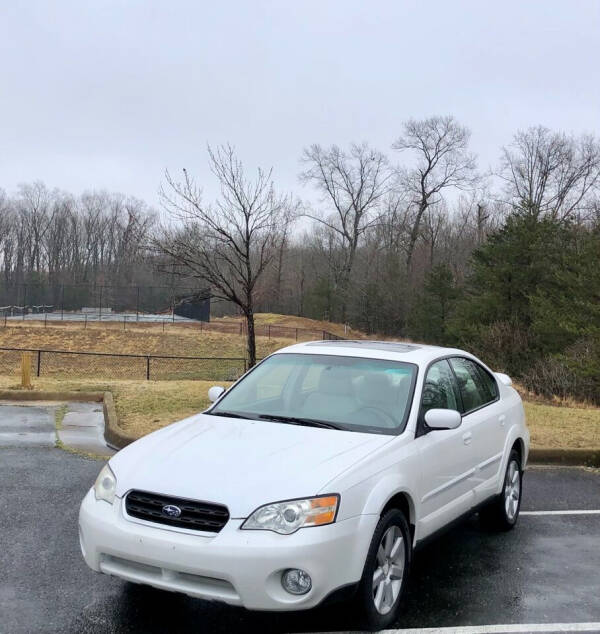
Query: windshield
350	393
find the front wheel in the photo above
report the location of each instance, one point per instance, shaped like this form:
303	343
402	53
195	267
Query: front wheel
503	512
386	570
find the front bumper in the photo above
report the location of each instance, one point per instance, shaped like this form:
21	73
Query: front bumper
235	566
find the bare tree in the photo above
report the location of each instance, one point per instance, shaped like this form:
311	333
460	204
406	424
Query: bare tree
442	161
353	184
394	223
35	207
281	252
7	244
56	238
230	244
550	173
435	222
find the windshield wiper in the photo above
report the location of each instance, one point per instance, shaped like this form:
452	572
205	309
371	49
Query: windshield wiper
230	415
292	420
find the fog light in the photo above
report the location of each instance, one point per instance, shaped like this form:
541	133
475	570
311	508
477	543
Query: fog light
296	581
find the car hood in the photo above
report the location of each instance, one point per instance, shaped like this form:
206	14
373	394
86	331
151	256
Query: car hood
240	463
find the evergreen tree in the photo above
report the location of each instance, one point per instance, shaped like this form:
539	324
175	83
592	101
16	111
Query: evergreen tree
434	306
533	291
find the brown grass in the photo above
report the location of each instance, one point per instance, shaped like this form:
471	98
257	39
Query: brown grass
176	338
555	427
292	321
180	341
142	406
556	423
177	341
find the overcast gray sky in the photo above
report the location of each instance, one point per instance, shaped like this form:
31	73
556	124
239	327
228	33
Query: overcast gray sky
107	94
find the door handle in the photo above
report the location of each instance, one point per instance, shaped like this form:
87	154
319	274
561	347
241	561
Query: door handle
467	436
502	419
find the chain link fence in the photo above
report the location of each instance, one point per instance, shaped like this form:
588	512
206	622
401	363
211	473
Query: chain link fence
64	364
127	307
27	298
119	321
269	330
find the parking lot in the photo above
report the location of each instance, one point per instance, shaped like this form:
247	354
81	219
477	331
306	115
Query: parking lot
545	571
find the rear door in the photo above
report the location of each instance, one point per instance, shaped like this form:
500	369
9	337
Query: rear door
446	486
483	415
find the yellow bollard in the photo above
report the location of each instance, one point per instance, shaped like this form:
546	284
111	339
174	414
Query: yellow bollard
26	371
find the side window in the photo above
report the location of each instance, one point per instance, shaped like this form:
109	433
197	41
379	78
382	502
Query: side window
490	388
475	388
439	389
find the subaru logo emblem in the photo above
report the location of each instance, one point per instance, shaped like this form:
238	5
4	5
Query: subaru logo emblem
170	510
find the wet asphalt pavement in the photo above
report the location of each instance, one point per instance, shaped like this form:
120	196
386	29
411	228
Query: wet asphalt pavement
545	571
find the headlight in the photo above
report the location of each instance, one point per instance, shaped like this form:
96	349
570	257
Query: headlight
105	485
287	517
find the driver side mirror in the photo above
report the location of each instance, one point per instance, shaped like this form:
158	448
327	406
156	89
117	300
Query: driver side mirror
215	392
443	418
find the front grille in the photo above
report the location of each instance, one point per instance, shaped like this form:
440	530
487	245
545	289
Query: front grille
199	516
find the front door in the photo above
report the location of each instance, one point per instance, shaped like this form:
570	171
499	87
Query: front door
446	456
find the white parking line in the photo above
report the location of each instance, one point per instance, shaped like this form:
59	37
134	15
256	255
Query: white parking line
582	512
516	628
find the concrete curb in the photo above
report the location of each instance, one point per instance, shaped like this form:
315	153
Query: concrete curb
26	395
567	457
115	436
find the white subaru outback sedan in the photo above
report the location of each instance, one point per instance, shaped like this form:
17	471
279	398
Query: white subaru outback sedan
312	478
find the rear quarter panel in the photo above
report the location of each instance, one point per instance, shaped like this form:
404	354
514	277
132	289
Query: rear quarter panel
516	427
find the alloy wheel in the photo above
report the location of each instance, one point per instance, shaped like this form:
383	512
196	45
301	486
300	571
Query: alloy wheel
512	490
389	570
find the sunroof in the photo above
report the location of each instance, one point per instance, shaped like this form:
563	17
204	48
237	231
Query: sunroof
386	346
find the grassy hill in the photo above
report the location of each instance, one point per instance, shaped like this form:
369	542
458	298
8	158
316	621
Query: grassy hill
304	323
177	341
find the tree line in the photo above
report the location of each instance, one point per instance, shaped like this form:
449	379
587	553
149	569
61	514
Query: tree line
416	242
69	251
52	237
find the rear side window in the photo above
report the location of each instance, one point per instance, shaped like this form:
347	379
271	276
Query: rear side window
477	387
490	388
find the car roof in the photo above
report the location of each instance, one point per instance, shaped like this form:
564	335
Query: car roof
420	354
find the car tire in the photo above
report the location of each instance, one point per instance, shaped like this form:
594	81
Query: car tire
386	570
503	512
